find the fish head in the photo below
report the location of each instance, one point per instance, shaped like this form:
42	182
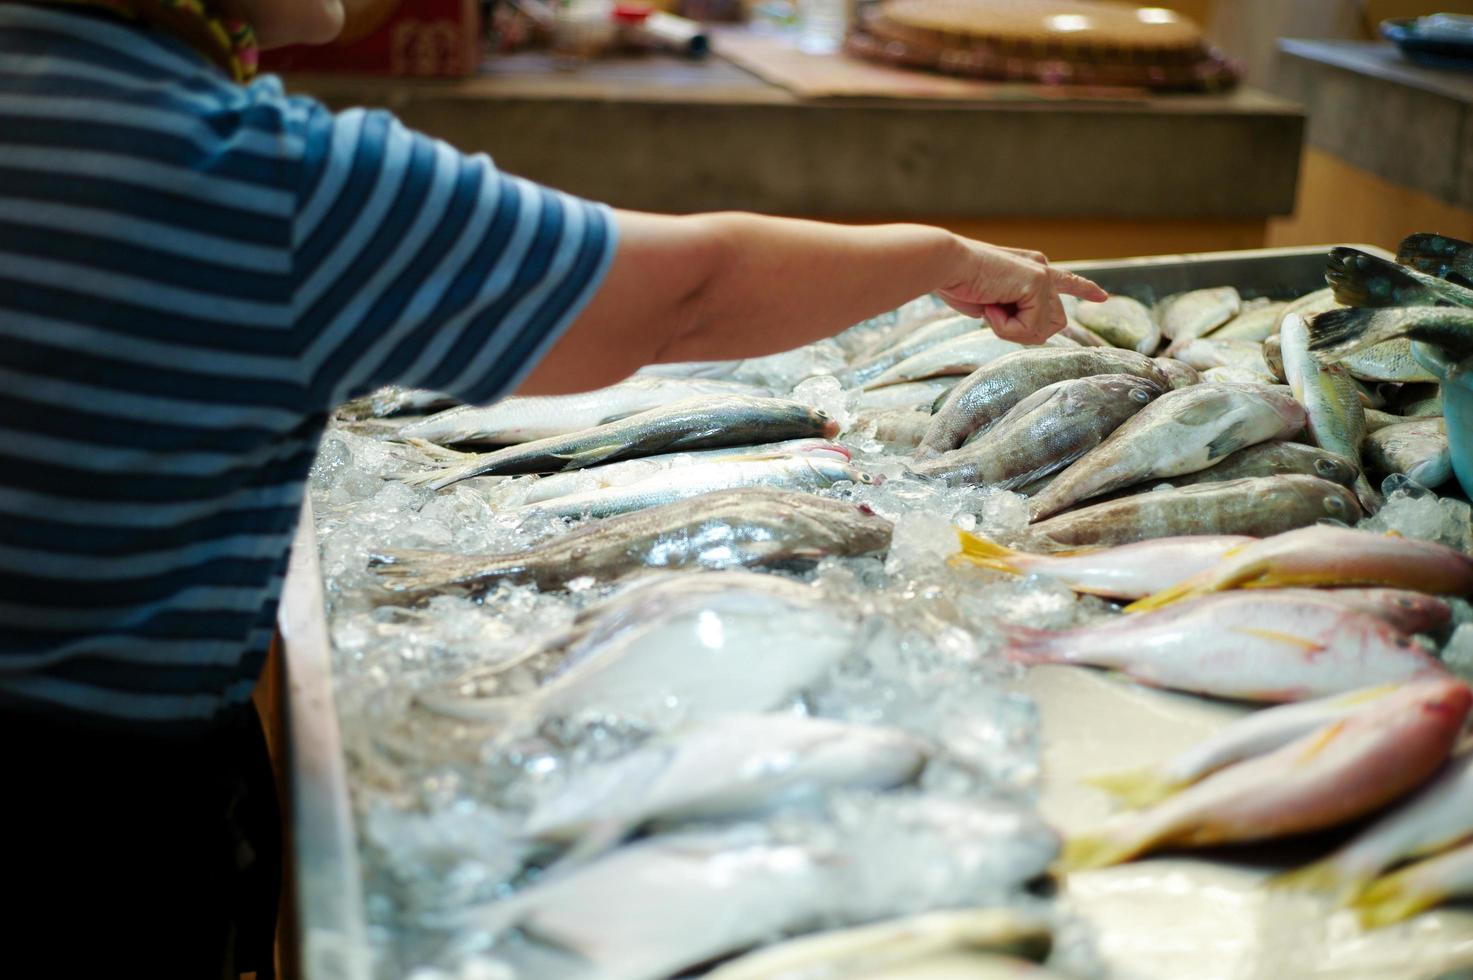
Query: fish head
1287	407
1335	468
1127	390
1331	500
826	425
1442	702
1177	374
1420	613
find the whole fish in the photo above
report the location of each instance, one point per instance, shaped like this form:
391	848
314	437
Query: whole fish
1392	361
913	343
733	765
915	394
1258	321
1256	506
695	423
1044	432
1308	306
682	482
1338	333
1376	420
394	400
1402	609
1273	356
1417	888
1359	279
1438	817
1179	375
1187	316
1206	353
1083	336
702	656
1181	432
886	330
1337	420
958	356
1250	736
1129	571
517	420
1417	448
899	943
1237	375
632	470
1251	646
1323	555
1438	255
988	393
1275	458
731	528
902	427
1335	774
1119	320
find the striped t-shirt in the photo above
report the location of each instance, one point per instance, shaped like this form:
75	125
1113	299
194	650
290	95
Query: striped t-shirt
192	274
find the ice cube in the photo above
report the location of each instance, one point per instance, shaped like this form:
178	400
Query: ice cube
825	393
921	542
1458	653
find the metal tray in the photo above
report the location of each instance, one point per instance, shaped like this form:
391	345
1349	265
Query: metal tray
1087	719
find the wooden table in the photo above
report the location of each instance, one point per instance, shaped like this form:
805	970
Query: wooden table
1083	178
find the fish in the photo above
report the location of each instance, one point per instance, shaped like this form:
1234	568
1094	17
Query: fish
1376	420
837	954
394	400
961	965
694	423
1417	888
1237	375
516	420
1276	457
1178	374
1083	336
1438	255
1438	817
693	657
907	346
1183	431
1336	418
1249	646
1424	407
1273	356
1258	321
921	395
988	393
958	356
1335	774
1256	506
1187	316
1338	333
1044	432
734	765
1328	556
865	338
902	427
1119	320
1418	448
1249	737
1308	306
1360	279
1391	361
781	472
1403	609
631	470
1130	571
1206	353
753	526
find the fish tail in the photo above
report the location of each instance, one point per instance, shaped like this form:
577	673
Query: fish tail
1099	850
1435	255
437	452
1391	899
1135	788
1369	497
1027	645
1187	588
1339	333
416	571
1359	279
447	471
1324	876
988	553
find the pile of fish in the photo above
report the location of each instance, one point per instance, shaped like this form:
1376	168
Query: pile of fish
721	654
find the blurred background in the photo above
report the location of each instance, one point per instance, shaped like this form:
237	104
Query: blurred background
1086	129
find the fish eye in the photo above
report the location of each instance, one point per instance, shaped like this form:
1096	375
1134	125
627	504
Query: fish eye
864	478
1405	602
820	413
1140	394
1334	505
1324	466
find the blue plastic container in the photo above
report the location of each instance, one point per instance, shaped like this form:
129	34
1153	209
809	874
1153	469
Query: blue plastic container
1457	407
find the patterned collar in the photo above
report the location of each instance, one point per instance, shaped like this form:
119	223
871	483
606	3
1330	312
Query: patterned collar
226	41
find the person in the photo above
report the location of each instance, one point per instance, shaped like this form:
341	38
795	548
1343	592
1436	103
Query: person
195	268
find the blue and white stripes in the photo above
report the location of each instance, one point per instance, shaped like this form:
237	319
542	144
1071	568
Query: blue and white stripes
192	273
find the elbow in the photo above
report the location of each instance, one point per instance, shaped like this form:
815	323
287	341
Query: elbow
696	311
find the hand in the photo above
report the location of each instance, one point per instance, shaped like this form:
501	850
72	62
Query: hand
1015	290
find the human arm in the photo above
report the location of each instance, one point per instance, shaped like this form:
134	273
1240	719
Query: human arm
731	285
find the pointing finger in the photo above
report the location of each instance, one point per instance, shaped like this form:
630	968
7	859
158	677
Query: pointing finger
1067	282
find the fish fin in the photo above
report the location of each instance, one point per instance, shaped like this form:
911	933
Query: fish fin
1187	588
1229	440
588	457
1389	900
1323	876
1367	496
1135	788
412	570
1100	850
619	416
987	553
1027	645
1359	279
1433	254
1308	646
1321	739
1338	333
448	472
601	836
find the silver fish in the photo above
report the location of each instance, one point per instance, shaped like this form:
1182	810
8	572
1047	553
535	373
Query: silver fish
960	355
1337	420
1045	432
1206	353
728	529
992	390
911	344
915	394
901	427
1257	506
1181	432
695	423
1258	320
1180	375
1237	375
681	482
1187	316
877	333
1418	448
1120	320
394	400
516	420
